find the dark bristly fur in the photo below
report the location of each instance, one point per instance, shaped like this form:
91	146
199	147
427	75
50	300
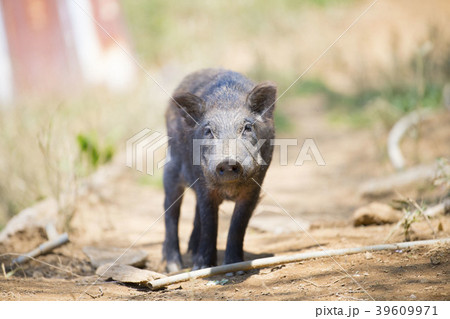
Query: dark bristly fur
218	105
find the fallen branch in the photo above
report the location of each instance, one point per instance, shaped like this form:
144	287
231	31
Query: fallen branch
401	179
279	260
43	248
50	231
440	209
396	135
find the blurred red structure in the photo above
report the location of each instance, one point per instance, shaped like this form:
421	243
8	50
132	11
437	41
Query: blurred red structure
49	46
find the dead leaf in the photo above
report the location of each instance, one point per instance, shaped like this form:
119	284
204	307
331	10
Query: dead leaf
127	274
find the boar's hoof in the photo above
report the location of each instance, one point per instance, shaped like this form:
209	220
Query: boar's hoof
173	266
197	266
200	263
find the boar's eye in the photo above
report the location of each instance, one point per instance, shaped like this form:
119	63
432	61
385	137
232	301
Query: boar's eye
248	128
207	131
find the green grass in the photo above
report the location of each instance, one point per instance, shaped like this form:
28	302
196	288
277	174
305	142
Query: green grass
401	100
282	122
363	108
92	154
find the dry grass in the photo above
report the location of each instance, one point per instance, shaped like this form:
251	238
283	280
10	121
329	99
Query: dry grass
40	153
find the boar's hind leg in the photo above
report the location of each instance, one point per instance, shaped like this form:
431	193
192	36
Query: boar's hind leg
206	255
174	190
194	240
239	221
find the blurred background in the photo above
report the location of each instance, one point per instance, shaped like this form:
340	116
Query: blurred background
78	78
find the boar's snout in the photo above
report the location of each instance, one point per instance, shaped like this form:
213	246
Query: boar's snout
229	170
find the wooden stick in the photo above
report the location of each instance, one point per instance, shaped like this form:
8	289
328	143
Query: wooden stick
51	232
440	209
396	135
43	248
386	184
279	260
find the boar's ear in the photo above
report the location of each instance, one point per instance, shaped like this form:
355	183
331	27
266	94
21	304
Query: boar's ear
191	107
261	99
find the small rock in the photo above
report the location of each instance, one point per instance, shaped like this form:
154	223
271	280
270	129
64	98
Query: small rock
435	260
375	214
368	255
217	282
223	281
240	272
413	296
229	274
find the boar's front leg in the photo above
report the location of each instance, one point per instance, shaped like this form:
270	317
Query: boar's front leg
241	215
194	240
172	203
206	251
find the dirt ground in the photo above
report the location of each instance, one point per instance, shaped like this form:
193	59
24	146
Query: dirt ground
322	199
